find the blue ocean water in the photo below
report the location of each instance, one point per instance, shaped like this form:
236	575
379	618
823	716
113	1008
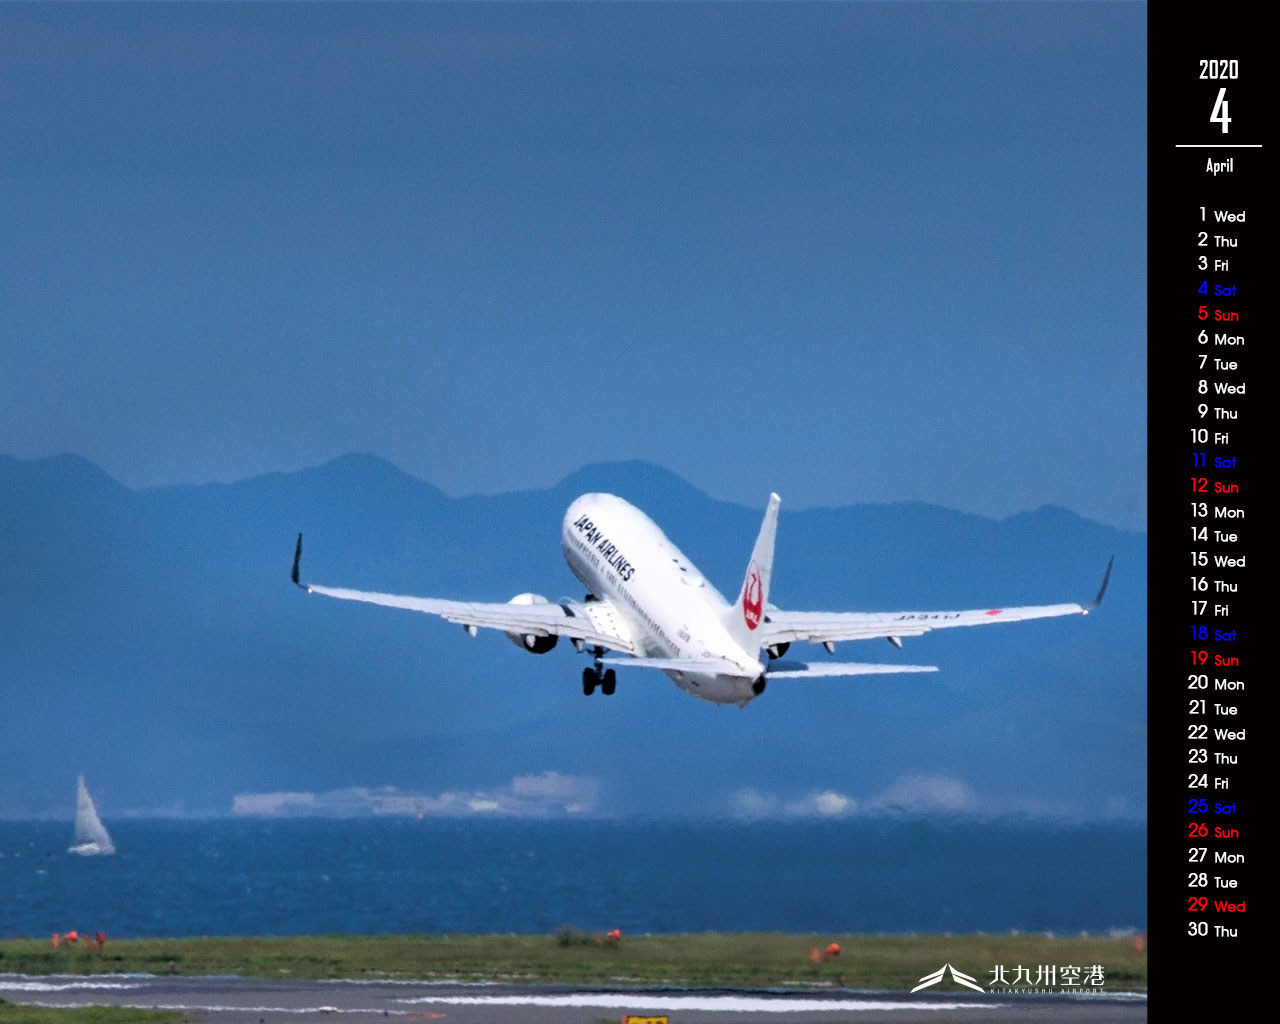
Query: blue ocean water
320	876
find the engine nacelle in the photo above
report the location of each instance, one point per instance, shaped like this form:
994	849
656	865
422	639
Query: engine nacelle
778	650
531	642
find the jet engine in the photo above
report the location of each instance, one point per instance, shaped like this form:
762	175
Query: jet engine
531	642
778	650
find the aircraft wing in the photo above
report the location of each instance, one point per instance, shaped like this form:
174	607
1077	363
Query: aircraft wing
595	623
828	627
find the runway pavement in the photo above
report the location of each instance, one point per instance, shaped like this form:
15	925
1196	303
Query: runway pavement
230	1000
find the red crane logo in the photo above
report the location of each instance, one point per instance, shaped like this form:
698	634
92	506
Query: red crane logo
752	597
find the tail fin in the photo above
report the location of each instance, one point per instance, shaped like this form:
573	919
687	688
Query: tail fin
747	613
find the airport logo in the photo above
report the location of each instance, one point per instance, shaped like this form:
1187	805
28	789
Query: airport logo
752	597
956	976
1023	979
1038	978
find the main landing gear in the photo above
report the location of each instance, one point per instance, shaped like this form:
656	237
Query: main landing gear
607	681
592	677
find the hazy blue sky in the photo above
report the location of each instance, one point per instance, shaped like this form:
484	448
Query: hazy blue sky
848	252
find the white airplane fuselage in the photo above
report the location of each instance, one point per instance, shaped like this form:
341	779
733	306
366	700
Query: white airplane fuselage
649	608
671	611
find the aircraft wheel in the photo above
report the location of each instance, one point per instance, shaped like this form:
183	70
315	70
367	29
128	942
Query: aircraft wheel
610	683
589	680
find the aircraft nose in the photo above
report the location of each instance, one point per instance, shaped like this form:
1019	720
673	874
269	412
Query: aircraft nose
573	512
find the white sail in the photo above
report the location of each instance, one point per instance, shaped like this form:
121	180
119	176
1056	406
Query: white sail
91	836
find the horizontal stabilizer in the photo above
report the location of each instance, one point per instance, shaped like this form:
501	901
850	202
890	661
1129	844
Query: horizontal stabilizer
819	669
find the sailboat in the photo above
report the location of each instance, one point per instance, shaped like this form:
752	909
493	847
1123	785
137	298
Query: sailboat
91	837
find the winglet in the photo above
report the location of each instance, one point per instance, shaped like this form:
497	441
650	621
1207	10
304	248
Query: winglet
1106	578
297	557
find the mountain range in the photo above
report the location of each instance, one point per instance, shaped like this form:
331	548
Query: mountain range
151	639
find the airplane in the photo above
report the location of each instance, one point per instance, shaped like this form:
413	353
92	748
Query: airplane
646	600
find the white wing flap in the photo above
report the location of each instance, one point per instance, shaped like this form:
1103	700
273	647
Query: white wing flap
826	669
704	666
595	623
776	669
829	627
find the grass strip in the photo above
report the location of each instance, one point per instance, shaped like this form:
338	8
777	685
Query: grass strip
708	960
12	1013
